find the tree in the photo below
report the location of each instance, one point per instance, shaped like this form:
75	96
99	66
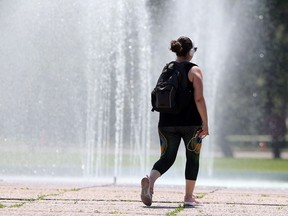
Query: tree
256	82
276	74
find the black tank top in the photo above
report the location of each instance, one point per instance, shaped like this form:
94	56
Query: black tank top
187	117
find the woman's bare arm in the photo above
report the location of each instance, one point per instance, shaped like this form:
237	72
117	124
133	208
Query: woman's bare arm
195	76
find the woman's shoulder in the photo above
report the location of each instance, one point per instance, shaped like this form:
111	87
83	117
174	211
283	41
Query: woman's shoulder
195	71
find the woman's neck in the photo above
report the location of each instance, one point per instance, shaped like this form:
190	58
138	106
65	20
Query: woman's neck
182	58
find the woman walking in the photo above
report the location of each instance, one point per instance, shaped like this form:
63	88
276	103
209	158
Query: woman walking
191	125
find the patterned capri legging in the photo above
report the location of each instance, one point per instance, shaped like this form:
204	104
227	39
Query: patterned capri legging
170	138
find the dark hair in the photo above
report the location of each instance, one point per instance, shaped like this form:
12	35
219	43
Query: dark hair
181	46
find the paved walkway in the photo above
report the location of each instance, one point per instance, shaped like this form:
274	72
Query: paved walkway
59	199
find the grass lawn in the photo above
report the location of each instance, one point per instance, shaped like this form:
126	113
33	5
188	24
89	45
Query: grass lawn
52	160
251	164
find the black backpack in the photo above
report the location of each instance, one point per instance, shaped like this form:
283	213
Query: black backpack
171	93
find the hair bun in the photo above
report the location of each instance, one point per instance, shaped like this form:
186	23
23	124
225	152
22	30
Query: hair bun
181	46
175	46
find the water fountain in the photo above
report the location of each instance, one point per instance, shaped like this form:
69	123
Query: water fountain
76	86
77	76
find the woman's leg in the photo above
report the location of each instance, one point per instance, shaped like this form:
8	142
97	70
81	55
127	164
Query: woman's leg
169	142
154	175
192	158
190	185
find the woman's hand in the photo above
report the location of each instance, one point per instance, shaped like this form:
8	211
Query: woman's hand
204	132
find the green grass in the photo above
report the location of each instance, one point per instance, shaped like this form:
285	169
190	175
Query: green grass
22	157
39	197
115	212
176	211
17	157
251	164
201	195
17	205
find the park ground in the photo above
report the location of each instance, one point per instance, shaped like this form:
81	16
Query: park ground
46	198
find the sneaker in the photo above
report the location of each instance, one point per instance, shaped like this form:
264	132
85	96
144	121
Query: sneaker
146	196
190	201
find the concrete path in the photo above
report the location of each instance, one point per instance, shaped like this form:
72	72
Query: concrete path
59	199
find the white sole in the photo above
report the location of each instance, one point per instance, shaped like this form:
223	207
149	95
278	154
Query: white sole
145	194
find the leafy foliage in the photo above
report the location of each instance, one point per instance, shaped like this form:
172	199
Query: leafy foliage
255	85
